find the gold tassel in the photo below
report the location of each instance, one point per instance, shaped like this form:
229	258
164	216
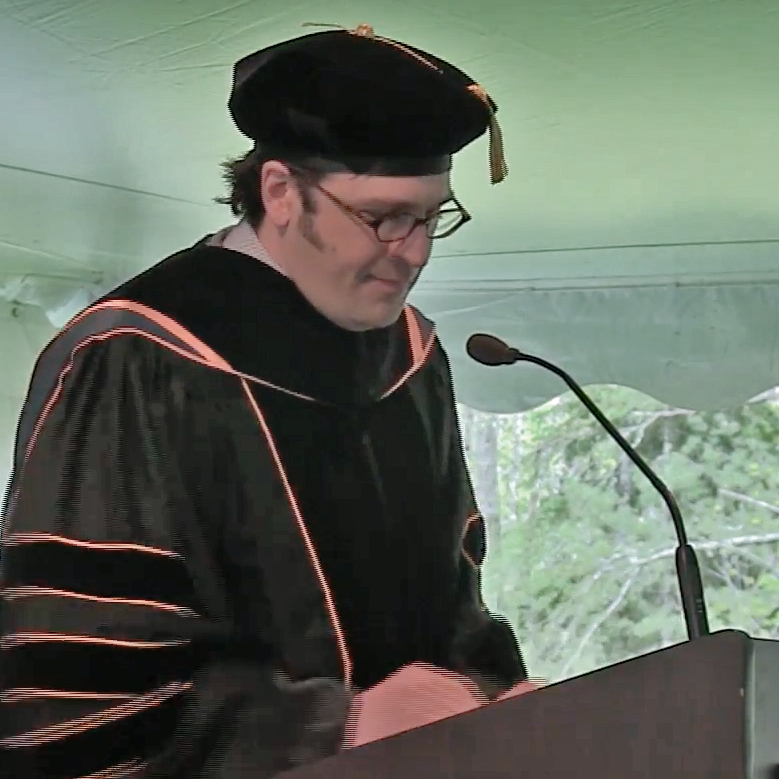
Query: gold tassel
498	166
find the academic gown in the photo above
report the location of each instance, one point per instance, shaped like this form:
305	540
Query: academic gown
228	515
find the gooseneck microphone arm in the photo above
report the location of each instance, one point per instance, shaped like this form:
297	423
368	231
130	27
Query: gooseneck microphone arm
488	350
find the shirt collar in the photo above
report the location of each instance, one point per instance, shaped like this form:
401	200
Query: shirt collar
242	237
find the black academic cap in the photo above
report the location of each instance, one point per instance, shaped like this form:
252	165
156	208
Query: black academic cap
352	100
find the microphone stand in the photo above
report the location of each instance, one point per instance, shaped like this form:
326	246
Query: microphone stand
687	568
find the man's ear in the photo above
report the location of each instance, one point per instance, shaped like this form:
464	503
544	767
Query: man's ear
278	192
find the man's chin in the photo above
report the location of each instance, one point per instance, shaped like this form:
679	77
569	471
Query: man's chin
381	317
391	316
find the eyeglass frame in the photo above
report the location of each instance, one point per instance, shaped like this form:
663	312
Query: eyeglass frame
374	224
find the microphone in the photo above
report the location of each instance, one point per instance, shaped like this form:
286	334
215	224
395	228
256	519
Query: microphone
489	350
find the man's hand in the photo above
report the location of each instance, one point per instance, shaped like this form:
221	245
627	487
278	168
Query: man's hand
414	696
495	691
521	688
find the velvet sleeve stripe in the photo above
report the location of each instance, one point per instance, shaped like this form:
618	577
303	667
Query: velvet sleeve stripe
98	668
27	711
35	693
39	610
75	599
128	770
98	719
10	640
98	743
106	570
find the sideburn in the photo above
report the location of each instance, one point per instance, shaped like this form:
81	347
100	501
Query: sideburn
306	221
309	231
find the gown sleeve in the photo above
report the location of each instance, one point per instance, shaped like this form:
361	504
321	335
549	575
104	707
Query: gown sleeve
484	646
118	649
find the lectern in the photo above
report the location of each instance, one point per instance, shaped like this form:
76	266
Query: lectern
707	709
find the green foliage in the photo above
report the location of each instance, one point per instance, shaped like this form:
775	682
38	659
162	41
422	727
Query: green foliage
581	556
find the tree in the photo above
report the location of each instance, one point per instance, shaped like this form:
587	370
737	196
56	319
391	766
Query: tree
581	547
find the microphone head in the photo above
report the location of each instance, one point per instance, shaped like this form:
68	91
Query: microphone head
489	350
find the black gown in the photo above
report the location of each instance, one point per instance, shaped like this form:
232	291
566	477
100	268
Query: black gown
226	516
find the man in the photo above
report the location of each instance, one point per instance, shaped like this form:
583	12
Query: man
240	524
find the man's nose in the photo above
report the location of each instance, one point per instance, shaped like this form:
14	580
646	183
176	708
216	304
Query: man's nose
413	250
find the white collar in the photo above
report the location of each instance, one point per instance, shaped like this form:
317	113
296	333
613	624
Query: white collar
242	237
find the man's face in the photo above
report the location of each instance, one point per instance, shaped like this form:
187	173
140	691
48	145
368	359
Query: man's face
336	260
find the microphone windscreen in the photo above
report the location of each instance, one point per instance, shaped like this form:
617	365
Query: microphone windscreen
489	350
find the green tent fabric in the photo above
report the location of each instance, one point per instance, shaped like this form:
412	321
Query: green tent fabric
636	240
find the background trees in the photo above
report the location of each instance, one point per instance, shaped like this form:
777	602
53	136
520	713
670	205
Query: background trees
581	547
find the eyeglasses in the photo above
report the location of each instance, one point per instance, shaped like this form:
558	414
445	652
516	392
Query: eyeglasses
397	227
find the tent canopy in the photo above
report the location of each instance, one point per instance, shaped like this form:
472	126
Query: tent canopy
636	240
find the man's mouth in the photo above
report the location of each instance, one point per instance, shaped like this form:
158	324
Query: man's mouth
390	283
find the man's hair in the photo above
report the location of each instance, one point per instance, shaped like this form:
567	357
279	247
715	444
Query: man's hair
242	177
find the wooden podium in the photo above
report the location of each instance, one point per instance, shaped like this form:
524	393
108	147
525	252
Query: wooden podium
708	709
